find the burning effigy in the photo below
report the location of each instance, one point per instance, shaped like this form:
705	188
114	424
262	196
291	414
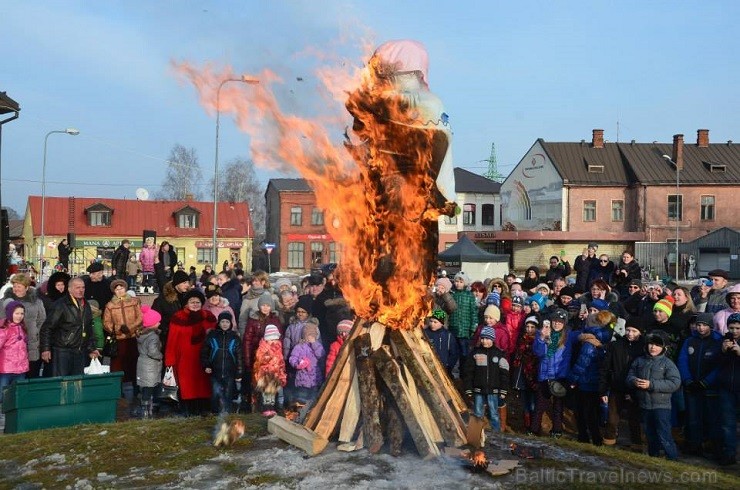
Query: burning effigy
383	190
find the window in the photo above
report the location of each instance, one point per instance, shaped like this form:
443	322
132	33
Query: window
333	252
488	214
187	220
618	210
99	218
317	217
595	169
469	214
707	208
204	255
451	220
317	253
295	254
106	253
296	216
589	210
675	207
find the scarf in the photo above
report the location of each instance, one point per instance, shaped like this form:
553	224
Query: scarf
554	341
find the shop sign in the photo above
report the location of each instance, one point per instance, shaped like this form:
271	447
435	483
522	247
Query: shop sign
108	242
209	244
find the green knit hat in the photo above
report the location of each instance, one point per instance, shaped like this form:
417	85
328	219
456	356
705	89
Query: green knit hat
665	305
438	314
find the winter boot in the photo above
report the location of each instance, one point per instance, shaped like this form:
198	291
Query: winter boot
146	411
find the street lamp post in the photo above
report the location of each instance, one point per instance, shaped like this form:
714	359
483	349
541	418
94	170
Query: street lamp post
70	131
678	212
243	79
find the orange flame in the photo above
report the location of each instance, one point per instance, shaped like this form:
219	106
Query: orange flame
376	195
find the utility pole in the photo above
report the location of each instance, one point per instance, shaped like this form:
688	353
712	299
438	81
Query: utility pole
492	172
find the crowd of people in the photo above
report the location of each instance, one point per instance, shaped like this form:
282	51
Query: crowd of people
599	347
593	341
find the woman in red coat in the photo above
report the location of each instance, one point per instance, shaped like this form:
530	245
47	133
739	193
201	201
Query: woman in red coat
188	328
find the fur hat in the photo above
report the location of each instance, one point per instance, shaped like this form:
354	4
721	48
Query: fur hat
488	333
271	332
665	305
266	299
179	277
445	282
194	293
149	317
225	315
542	285
10	308
213	290
345	326
464	277
706	319
493	312
311	329
94	267
118	282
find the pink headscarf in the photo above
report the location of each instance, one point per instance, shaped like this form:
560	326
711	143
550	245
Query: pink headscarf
405	55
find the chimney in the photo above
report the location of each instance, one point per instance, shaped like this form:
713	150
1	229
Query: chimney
702	138
598	138
677	156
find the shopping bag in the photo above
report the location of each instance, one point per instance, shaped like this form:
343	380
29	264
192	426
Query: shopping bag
96	367
169	377
167	389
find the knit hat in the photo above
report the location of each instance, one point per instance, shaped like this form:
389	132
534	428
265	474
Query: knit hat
734	318
517	300
213	290
601	304
494	298
94	267
149	317
636	324
266	299
539	299
542	285
706	319
179	277
559	315
311	328
271	332
636	282
532	319
439	315
118	282
464	277
493	312
305	302
487	333
283	281
345	326
225	315
665	305
10	308
194	293
655	339
568	291
443	281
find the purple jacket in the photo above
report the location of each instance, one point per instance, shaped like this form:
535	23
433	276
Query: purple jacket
311	377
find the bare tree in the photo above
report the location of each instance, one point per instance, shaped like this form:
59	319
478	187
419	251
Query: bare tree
238	182
183	176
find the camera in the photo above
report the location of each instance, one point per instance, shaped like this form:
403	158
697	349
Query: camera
729	336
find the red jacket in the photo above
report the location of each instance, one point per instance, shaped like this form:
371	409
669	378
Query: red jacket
503	341
333	353
269	360
514	322
184	341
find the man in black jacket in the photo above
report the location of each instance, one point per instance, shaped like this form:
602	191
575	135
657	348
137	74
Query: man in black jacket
120	259
66	338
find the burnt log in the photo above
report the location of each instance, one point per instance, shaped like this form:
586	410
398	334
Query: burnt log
369	394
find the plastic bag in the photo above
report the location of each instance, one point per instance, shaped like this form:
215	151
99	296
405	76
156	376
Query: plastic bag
169	377
96	367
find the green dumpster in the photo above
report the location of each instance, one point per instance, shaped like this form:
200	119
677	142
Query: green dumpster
41	403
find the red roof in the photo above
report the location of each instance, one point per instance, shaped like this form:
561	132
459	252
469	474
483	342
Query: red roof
130	217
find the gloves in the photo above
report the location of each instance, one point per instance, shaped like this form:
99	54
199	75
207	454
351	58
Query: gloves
125	330
303	364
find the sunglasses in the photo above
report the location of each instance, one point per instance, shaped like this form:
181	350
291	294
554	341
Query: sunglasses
603	261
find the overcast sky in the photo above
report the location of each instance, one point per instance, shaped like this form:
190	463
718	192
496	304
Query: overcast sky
508	72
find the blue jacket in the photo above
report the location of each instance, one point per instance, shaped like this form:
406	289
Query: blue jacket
557	366
699	359
445	344
585	371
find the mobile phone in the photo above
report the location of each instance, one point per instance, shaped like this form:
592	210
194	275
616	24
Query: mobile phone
729	336
584	308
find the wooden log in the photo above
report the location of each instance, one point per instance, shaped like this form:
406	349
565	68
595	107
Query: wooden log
391	374
377	332
421	407
449	422
296	435
369	394
392	422
334	406
327	390
351	413
429	355
352	446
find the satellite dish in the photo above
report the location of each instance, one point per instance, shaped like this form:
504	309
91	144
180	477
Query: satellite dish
142	194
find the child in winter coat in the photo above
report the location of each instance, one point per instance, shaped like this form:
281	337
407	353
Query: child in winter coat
221	357
305	358
443	341
98	330
293	336
269	372
486	377
524	368
515	318
13	346
655	377
149	363
264	315
464	319
343	329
